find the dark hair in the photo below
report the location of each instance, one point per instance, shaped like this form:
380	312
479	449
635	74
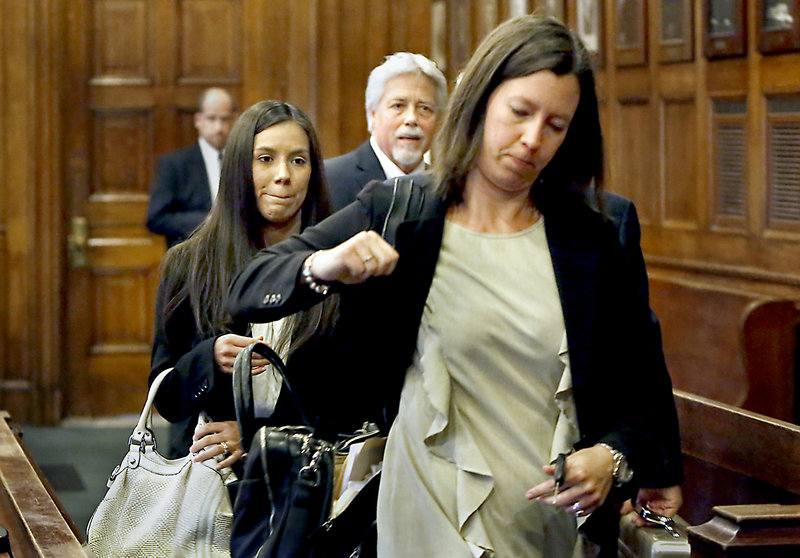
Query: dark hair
517	48
202	267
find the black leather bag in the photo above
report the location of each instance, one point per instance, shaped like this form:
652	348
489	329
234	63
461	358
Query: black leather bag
282	502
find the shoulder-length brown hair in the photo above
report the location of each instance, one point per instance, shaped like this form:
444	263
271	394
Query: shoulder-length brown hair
517	48
202	267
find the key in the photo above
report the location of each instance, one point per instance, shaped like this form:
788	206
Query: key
560	473
654	518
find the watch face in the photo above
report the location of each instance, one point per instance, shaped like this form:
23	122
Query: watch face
624	473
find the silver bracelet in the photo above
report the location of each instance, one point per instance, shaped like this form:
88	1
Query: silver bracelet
308	279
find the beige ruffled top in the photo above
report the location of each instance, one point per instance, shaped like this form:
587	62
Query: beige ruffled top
486	402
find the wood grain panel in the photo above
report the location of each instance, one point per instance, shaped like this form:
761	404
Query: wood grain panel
438	34
783	163
125	387
638	166
679	163
388	19
121	325
459	36
729	164
485	17
328	114
4	147
417	34
122	39
783	209
699	344
31	52
121	151
209	48
3	294
302	56
355	65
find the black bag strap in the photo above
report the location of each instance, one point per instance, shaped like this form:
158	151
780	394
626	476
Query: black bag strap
243	389
398	208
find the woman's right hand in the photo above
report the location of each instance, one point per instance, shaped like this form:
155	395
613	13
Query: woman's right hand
355	260
217	438
227	346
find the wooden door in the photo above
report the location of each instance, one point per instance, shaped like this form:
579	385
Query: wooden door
135	69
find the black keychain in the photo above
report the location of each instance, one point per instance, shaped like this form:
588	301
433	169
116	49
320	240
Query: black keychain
560	473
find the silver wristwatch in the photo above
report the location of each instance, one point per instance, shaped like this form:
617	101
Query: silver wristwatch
622	472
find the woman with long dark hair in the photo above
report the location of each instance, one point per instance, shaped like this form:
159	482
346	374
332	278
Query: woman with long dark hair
271	186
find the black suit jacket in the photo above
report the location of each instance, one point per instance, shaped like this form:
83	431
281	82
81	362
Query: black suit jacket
195	383
347	174
180	198
620	394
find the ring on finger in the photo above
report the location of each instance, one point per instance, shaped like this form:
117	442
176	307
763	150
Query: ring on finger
224	446
576	509
368	258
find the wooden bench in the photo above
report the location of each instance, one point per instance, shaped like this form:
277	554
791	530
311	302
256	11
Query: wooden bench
37	525
732	346
742	490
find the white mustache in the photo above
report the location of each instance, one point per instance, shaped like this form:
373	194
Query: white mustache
409	132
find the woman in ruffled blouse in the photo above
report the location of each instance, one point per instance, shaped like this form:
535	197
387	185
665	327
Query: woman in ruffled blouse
505	315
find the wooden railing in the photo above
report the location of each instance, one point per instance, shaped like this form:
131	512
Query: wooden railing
38	526
742	490
729	345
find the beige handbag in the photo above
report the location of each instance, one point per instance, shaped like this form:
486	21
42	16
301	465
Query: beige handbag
157	507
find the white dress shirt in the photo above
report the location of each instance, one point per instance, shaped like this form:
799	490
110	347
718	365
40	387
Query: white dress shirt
213	160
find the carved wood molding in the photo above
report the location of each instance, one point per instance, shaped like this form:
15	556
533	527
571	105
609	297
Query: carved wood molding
723	270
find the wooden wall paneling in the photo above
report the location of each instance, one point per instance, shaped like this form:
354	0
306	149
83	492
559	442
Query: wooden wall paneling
128	131
727	77
277	44
329	71
392	26
388	29
679	163
356	63
209	51
256	47
729	165
438	34
631	36
136	69
484	17
4	148
555	8
76	149
122	33
301	60
783	164
32	206
459	36
418	27
637	169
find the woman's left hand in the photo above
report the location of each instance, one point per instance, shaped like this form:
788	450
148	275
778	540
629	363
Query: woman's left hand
587	482
217	438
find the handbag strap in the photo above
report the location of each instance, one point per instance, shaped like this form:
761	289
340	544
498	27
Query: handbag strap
243	388
398	208
143	432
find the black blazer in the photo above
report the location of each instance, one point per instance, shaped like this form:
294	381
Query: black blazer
180	198
195	384
347	174
620	394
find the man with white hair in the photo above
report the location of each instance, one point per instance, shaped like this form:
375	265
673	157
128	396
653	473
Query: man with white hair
405	96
